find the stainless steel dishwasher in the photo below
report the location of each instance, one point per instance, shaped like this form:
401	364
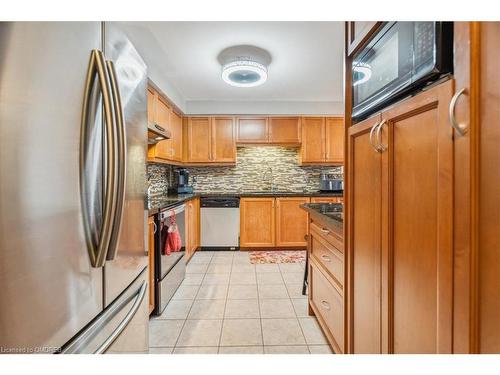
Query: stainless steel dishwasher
220	223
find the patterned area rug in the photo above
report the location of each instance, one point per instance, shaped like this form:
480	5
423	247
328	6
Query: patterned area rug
277	256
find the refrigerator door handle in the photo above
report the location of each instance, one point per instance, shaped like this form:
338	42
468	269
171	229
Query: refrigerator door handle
84	343
97	249
121	161
124	323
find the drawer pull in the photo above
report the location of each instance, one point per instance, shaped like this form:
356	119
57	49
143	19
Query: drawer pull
324	230
325	305
326	258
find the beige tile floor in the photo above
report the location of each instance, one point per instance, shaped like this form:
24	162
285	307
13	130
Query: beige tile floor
227	305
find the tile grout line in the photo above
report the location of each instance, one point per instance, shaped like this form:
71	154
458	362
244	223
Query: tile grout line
225	304
190	308
295	312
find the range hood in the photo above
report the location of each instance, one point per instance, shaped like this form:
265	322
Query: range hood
157	133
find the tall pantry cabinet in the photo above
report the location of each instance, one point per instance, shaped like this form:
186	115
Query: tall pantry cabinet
423	211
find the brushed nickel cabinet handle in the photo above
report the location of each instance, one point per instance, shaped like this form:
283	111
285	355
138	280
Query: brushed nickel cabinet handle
380	147
371	136
461	129
326	258
325	305
324	230
155	227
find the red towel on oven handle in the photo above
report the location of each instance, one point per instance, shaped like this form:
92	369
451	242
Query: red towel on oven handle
174	241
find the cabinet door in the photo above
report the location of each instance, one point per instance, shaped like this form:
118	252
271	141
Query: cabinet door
252	130
197	220
257	218
313	140
334	140
364	240
190	229
291	222
284	130
176	140
223	140
163	149
151	107
418	226
199	140
151	253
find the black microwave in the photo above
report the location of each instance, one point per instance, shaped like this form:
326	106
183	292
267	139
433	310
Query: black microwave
400	59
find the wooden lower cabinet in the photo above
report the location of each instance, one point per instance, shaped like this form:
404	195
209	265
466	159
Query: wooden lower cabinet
192	240
328	306
291	222
257	221
326	280
401	237
273	222
151	254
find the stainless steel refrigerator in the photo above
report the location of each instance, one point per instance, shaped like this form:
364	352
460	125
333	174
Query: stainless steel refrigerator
73	135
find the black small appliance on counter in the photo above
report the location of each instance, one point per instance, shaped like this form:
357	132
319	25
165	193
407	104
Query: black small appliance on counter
182	182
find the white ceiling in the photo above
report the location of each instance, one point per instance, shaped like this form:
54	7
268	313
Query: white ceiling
305	76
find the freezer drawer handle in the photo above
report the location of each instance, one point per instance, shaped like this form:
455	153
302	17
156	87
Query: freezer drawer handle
121	161
118	330
97	248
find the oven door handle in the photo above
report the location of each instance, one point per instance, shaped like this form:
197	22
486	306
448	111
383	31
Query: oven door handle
176	210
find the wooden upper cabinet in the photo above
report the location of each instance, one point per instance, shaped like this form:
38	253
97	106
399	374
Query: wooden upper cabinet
252	130
284	130
163	112
210	140
257	220
358	33
151	107
313	140
160	112
334	139
223	140
199	143
176	141
291	221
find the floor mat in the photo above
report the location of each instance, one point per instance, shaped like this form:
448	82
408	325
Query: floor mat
277	256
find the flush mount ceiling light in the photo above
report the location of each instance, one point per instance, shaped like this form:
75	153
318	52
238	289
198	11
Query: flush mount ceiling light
244	66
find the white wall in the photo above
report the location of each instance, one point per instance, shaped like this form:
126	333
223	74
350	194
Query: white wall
263	107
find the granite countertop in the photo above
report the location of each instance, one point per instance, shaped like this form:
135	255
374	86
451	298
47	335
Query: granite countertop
331	213
171	200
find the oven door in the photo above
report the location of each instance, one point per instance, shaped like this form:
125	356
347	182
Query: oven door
167	218
170	265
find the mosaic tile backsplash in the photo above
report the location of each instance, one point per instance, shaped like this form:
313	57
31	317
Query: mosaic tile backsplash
255	170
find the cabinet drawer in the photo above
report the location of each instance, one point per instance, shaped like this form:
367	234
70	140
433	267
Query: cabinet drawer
328	235
328	256
328	303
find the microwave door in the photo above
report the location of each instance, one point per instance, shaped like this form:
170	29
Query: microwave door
383	68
